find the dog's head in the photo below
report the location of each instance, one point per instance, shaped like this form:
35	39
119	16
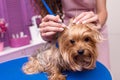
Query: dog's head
77	45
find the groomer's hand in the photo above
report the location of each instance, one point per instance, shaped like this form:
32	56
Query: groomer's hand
49	26
87	17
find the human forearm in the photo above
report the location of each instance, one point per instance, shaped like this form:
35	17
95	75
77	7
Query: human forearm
102	16
101	11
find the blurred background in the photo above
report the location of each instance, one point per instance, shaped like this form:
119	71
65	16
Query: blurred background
113	23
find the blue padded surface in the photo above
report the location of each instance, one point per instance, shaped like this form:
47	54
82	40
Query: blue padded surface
12	70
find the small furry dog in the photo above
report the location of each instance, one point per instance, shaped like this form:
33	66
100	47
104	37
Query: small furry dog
75	49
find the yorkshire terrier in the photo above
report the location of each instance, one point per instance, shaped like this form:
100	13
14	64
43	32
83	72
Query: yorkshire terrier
75	49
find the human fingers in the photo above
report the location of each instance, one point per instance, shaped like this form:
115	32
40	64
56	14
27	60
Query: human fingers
98	26
51	23
84	16
47	28
76	19
90	19
50	29
51	18
48	34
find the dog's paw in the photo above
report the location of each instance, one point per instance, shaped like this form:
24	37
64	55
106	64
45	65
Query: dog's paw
31	67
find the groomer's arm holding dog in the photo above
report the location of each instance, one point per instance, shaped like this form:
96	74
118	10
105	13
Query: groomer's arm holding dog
50	24
100	15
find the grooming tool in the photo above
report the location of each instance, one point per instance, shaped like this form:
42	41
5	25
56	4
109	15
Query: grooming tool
48	8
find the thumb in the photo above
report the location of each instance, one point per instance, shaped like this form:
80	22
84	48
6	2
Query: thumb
58	18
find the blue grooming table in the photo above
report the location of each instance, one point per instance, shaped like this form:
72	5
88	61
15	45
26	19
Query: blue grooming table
12	70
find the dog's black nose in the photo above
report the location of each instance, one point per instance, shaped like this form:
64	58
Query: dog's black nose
80	51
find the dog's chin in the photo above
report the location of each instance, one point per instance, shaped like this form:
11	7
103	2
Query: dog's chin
85	61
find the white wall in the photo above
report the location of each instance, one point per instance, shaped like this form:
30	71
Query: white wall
114	36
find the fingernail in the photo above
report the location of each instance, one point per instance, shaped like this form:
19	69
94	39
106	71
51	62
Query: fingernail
63	25
77	22
59	20
68	27
83	22
61	29
74	21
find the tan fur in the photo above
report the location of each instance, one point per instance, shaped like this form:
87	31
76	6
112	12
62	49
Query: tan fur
71	41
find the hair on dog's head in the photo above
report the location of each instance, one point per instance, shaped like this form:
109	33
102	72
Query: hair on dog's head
77	45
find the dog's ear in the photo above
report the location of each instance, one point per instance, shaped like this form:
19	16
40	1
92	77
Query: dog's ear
94	25
98	37
97	34
91	26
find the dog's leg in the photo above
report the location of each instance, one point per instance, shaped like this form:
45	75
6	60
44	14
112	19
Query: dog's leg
55	74
32	66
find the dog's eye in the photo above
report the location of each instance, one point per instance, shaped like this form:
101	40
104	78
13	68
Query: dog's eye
72	41
87	39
